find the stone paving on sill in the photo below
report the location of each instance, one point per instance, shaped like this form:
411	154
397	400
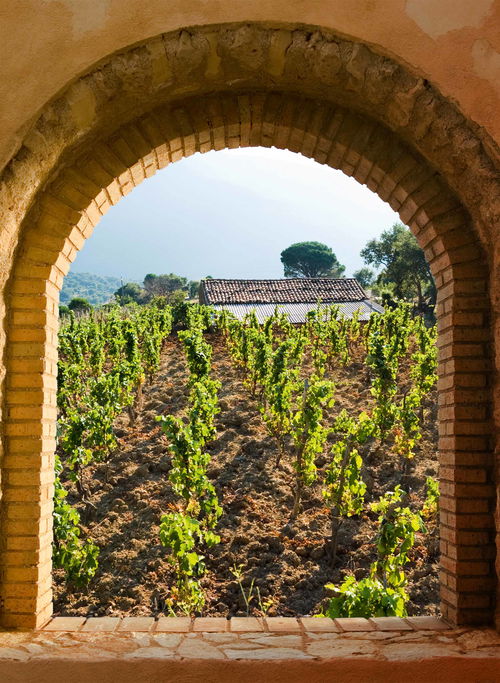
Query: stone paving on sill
251	638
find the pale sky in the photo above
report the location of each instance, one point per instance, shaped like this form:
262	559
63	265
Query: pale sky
229	214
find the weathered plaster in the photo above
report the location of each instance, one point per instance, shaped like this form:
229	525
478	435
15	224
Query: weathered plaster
44	46
438	18
86	15
408	130
487	62
331	99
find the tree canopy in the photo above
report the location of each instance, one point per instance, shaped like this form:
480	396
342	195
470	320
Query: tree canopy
311	259
404	268
162	285
193	288
365	277
129	292
170	287
79	305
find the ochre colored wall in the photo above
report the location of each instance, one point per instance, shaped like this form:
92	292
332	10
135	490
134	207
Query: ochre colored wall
44	44
418	128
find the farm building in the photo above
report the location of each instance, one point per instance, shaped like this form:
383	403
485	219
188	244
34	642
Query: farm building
294	296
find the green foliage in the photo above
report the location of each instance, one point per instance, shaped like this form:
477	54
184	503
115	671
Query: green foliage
399	412
271	359
345	489
396	537
365	277
311	259
309	434
387	342
181	533
270	356
383	592
404	265
186	313
78	559
292	409
130	292
365	598
193	288
164	285
280	390
96	289
189	470
198	353
106	357
79	305
185	531
431	503
176	297
204	408
103	359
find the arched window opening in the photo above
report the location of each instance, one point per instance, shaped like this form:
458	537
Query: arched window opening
302	453
334	100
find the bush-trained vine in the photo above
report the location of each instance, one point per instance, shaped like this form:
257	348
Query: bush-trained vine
216	466
103	360
187	531
382	593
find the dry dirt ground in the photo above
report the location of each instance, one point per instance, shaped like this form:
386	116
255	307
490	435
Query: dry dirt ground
130	492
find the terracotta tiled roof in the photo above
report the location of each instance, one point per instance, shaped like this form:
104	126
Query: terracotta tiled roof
285	291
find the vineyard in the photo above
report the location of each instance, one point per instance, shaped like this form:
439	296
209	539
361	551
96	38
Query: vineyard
217	467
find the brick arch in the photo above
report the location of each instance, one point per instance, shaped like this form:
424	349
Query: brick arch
81	163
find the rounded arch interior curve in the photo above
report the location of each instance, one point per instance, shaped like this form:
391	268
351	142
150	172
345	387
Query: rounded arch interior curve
250	86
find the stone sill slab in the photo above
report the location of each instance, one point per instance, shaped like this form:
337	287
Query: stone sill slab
291	639
275	650
303	625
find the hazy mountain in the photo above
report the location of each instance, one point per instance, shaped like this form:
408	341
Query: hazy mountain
97	289
230	214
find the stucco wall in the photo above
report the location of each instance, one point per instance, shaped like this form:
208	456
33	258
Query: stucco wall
44	44
90	147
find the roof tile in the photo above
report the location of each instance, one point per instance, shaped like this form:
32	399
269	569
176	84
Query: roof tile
288	290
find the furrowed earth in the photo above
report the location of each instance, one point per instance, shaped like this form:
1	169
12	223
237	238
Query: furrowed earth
288	563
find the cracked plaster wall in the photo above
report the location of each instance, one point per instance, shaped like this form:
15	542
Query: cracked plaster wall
44	44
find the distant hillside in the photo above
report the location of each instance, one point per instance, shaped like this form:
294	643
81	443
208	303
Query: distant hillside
97	289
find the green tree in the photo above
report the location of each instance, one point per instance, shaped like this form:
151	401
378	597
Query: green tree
193	288
162	285
129	292
311	259
79	305
405	269
177	297
365	277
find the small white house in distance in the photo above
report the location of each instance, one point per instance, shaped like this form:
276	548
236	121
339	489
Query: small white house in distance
293	296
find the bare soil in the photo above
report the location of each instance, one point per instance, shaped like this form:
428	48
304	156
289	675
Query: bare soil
288	563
